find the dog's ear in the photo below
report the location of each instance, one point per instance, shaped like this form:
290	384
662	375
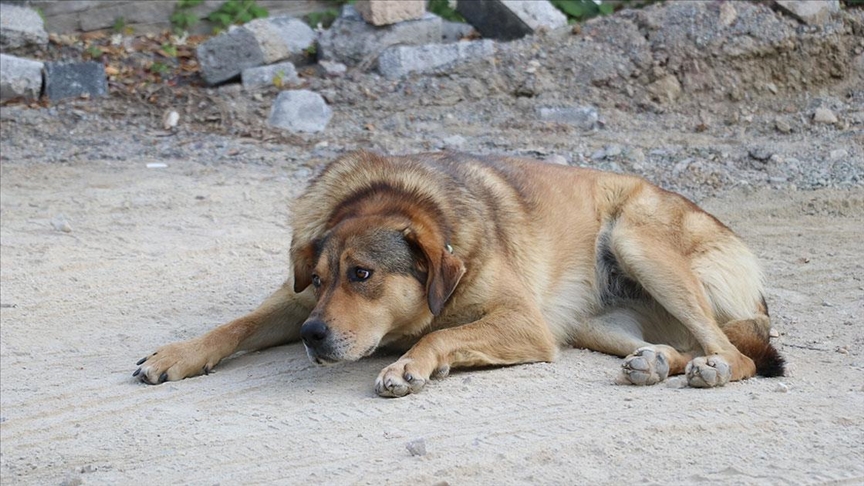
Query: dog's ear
443	269
303	260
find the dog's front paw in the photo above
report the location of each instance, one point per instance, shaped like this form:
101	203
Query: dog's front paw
646	366
708	372
174	362
400	378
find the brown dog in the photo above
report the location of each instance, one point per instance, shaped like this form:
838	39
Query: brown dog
474	261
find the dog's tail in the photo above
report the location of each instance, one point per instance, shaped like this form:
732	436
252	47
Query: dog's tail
752	337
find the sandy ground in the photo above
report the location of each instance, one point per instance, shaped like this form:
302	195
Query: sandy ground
157	255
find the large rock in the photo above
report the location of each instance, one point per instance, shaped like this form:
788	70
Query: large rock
281	37
300	111
510	19
20	26
279	74
811	12
351	41
71	80
19	77
259	42
398	61
225	56
386	12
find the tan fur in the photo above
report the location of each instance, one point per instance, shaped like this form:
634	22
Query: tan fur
509	260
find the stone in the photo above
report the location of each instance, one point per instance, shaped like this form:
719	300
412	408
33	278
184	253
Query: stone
666	89
455	31
761	153
824	115
398	61
279	74
510	19
19	77
352	41
416	447
386	12
811	12
300	111
71	80
333	69
225	56
281	37
782	125
728	14
581	117
20	26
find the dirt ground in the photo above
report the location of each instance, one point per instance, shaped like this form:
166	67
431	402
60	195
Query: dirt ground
104	259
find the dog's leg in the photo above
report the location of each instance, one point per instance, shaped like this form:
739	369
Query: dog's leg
512	333
620	332
276	321
660	268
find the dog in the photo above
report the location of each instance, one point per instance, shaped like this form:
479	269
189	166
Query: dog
470	261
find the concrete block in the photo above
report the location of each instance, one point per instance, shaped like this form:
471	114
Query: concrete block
70	80
264	76
262	41
351	41
300	111
581	117
20	26
811	12
510	19
225	56
19	77
281	37
398	61
386	12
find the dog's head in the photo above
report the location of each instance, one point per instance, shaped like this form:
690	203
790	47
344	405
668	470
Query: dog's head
373	277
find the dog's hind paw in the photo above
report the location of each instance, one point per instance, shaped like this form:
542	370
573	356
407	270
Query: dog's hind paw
400	379
708	372
646	366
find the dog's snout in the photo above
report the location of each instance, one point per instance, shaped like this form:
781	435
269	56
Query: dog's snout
314	332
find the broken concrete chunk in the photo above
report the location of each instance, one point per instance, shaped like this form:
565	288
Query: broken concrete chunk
262	41
351	41
20	26
300	111
581	117
281	37
19	77
811	12
225	56
398	61
511	19
279	74
386	12
71	80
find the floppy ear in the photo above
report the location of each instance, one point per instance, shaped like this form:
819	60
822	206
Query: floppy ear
443	269
302	259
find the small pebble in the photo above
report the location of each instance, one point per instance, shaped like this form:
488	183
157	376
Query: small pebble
824	115
156	165
782	388
60	223
417	447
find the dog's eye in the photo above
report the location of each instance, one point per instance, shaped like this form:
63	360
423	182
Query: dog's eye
316	281
361	274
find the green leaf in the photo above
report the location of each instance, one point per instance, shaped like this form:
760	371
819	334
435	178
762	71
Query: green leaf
606	8
258	12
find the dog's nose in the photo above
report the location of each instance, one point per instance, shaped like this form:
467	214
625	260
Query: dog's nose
313	332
